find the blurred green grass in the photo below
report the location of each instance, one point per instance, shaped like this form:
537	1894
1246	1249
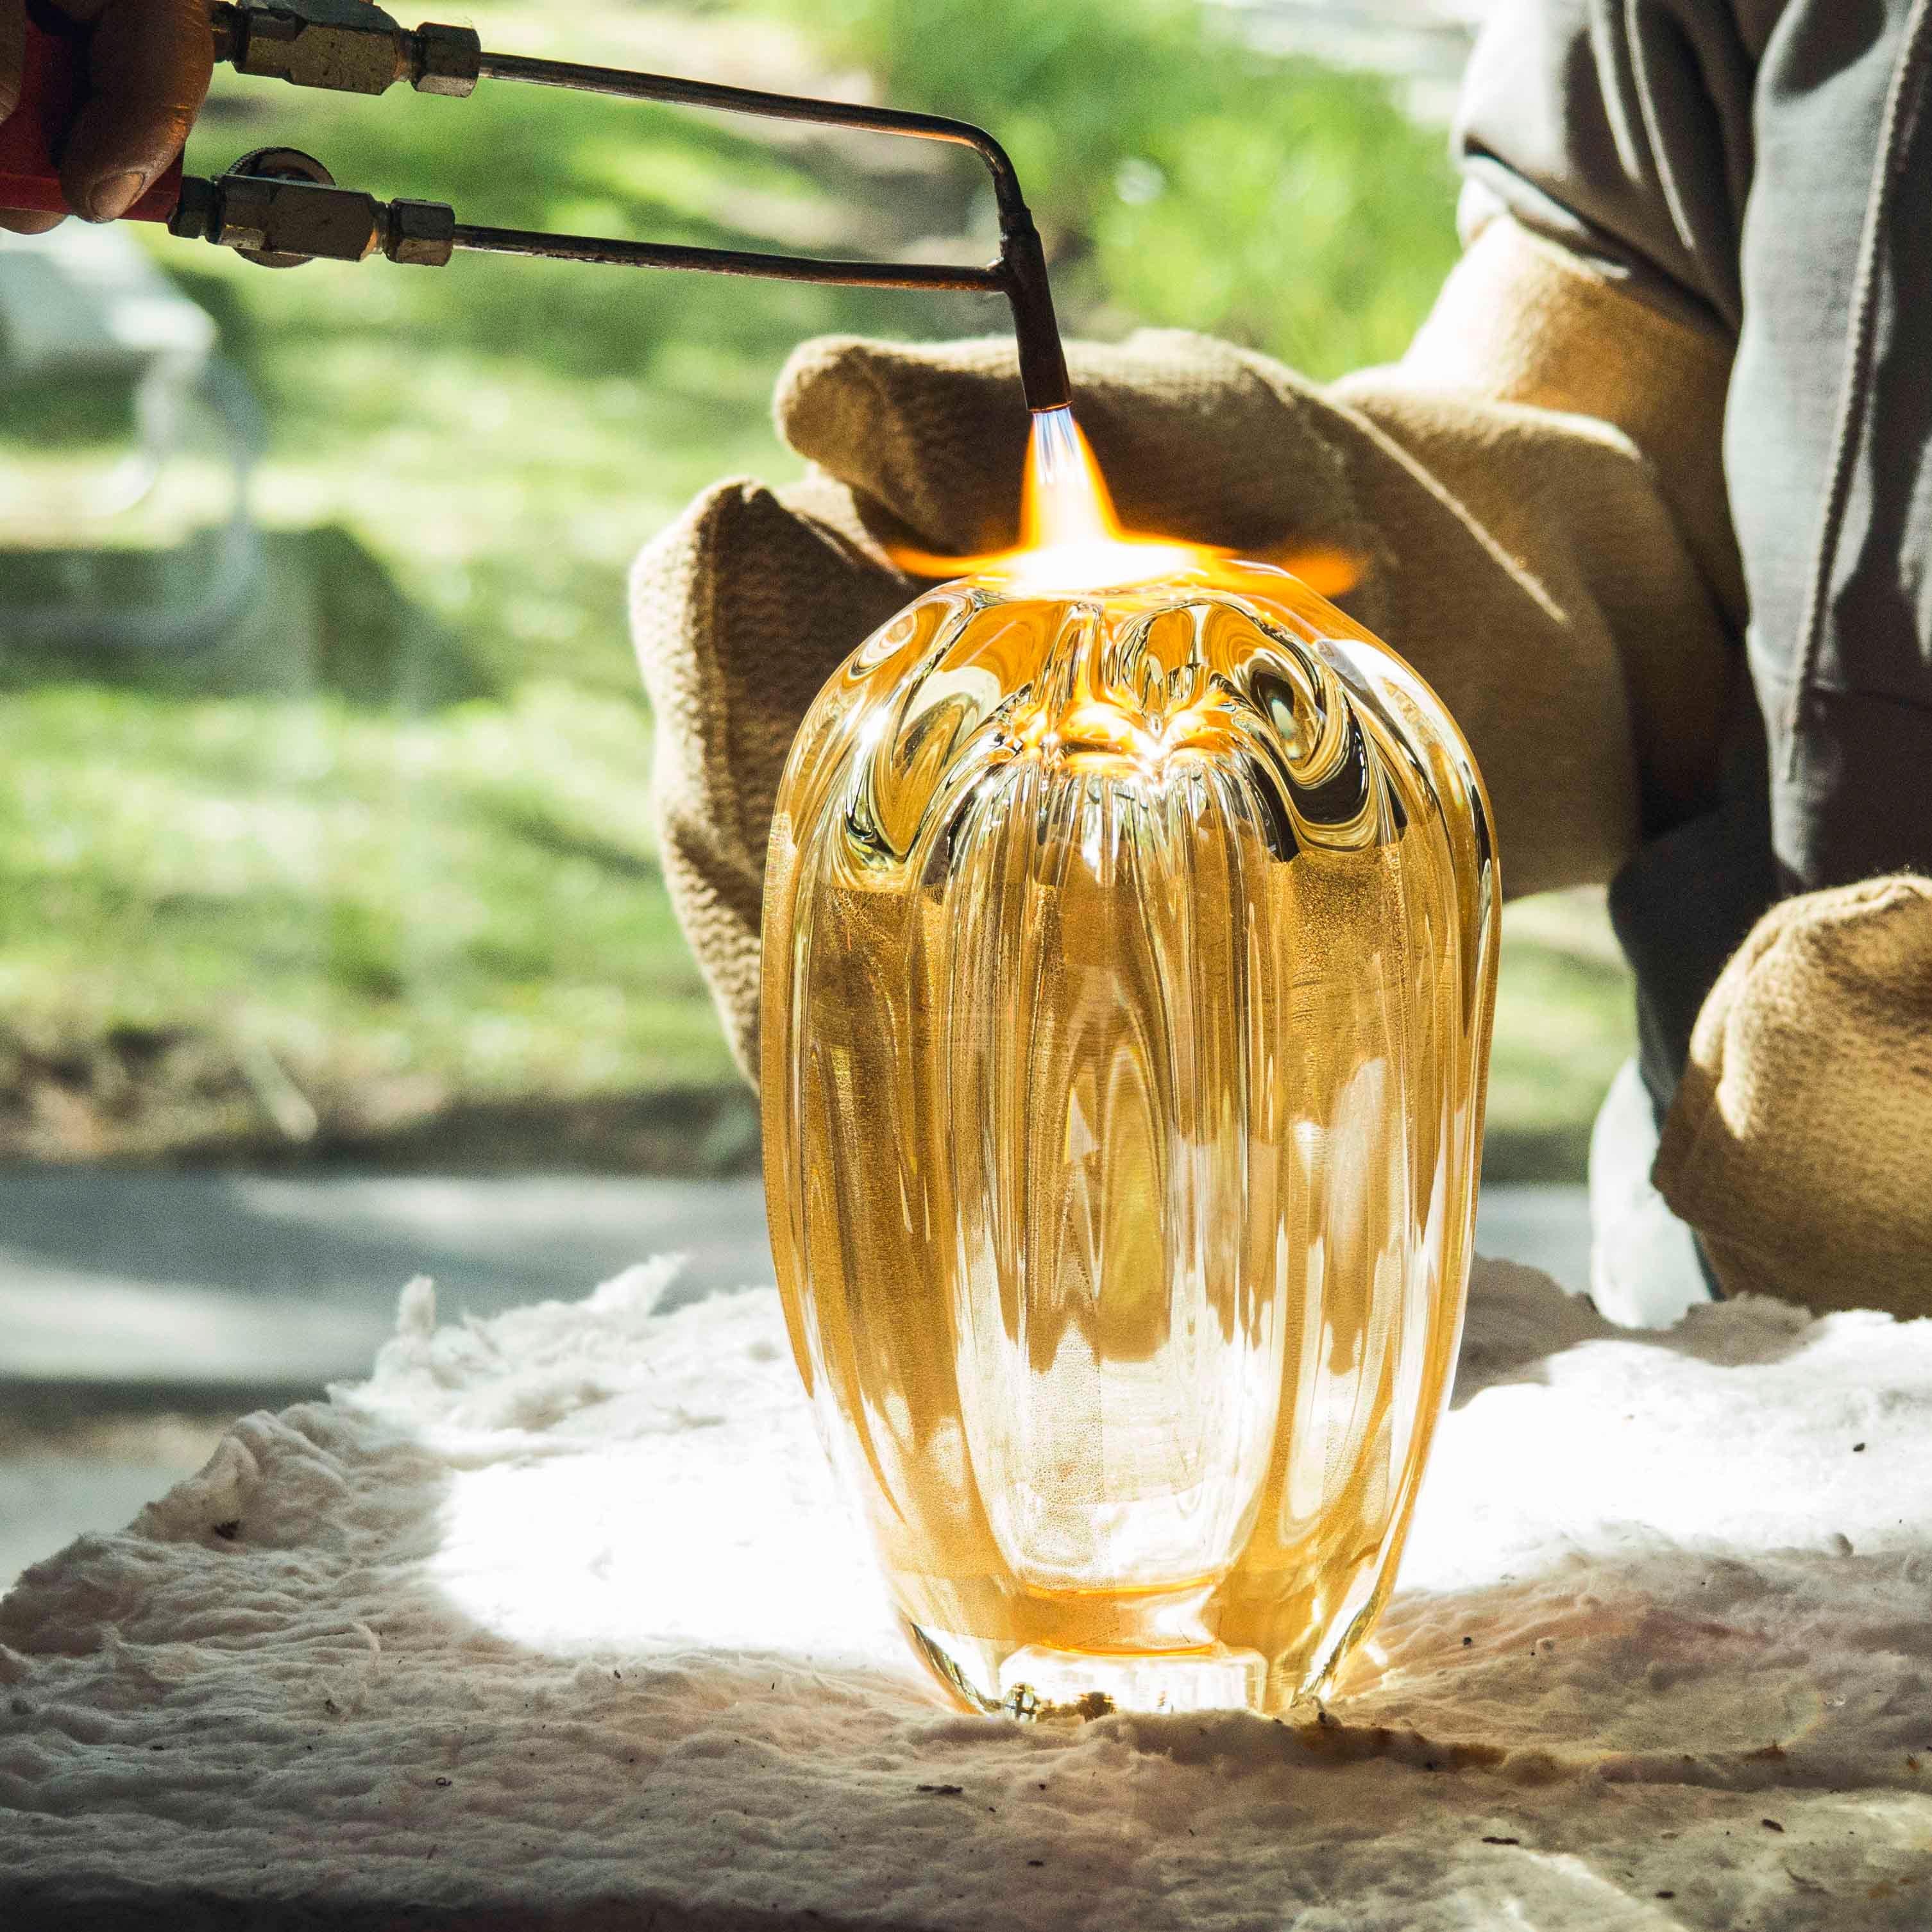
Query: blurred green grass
393	833
1564	1023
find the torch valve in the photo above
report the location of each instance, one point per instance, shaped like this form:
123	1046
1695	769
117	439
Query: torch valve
280	207
346	47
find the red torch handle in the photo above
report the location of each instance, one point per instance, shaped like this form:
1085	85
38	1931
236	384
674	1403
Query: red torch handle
53	86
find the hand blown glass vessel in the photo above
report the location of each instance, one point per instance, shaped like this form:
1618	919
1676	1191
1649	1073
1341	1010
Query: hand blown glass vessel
1129	959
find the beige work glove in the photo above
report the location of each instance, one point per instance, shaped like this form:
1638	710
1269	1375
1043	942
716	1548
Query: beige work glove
1800	1143
1535	491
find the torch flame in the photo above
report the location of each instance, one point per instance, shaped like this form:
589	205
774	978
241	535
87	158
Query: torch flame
1072	539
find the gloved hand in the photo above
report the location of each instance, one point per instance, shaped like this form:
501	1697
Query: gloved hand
150	61
1521	554
744	609
1800	1143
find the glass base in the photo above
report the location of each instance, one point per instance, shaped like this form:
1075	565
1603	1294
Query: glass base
1039	1681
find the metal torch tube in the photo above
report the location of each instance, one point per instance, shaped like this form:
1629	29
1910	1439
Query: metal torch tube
1020	276
726	261
1043	374
755	101
314	218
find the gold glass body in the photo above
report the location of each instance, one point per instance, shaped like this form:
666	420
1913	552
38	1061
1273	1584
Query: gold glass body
1129	962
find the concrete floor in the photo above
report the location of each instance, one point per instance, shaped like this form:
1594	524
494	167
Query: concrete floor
214	1277
140	1312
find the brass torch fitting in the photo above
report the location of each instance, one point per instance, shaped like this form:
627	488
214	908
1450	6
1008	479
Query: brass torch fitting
347	47
280	207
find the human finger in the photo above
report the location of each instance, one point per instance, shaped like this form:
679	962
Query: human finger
12	53
149	65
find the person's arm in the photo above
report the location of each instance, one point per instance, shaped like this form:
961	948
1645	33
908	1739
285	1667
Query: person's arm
149	62
1581	427
1606	147
1537	487
1620	132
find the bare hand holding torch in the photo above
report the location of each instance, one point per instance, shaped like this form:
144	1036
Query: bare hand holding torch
147	73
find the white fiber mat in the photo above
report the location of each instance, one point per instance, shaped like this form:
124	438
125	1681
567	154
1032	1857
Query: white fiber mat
554	1622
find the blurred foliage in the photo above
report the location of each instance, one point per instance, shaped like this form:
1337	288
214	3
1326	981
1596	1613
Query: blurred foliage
455	901
1179	179
326	618
392	830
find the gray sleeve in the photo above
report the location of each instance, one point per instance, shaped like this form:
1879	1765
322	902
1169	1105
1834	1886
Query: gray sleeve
1620	129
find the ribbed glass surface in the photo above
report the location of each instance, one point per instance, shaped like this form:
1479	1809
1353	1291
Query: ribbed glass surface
1130	961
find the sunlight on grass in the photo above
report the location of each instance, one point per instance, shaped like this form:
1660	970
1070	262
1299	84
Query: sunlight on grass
475	900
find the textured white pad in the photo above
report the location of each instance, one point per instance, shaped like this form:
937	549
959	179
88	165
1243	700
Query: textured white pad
555	1622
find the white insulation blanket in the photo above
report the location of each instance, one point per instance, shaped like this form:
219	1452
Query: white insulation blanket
555	1622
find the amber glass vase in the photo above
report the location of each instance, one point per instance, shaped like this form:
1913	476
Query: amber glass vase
1129	960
